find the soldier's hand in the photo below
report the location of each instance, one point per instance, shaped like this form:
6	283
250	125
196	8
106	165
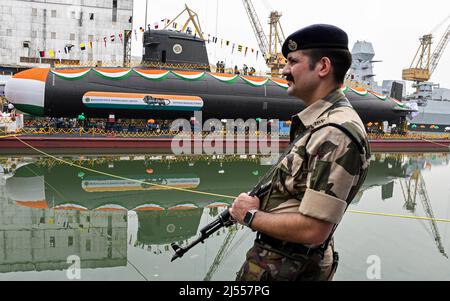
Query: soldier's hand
241	205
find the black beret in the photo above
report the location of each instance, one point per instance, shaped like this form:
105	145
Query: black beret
316	36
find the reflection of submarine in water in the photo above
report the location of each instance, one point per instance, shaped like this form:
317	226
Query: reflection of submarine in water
62	184
159	228
165	94
163	215
64	187
42	186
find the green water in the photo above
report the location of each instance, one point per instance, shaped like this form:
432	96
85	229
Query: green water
121	228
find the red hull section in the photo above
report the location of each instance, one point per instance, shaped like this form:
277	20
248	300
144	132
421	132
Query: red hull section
163	145
410	145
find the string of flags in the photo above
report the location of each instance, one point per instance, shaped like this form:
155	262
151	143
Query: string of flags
119	38
83	46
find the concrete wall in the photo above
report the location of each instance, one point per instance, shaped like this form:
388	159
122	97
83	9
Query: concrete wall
53	24
38	239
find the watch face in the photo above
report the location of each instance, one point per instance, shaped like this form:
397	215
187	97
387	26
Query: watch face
248	218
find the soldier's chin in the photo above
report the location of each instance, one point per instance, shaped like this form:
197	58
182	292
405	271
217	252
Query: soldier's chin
290	90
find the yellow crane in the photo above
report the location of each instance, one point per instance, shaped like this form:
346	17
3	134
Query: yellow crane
425	61
270	48
193	17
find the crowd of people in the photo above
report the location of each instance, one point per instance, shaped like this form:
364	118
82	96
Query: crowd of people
245	70
121	125
220	68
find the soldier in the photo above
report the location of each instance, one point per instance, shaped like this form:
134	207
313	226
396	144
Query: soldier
323	170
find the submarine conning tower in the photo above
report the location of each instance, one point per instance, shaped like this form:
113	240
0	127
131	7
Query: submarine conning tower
174	50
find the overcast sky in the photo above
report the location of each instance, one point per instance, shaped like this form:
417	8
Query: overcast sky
393	26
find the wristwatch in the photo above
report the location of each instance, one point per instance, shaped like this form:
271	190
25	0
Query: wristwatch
249	216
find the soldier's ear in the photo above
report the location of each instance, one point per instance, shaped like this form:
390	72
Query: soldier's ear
324	67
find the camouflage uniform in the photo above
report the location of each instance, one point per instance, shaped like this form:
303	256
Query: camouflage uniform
318	178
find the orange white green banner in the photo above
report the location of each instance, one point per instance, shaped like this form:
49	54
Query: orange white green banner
111	208
183	207
149	207
378	95
255	81
397	102
224	77
189	75
113	73
360	91
152	74
71	74
280	82
70	207
217	205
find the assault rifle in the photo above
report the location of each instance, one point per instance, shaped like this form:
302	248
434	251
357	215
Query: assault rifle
223	220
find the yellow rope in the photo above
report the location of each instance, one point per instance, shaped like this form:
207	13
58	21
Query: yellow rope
439	144
408	136
220	195
400	216
8	136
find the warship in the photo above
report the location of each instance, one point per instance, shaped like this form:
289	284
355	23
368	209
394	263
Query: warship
432	104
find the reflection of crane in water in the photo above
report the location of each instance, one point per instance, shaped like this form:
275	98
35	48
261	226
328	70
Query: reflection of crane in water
220	255
412	187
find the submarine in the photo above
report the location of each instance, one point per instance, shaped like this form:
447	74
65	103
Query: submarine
173	81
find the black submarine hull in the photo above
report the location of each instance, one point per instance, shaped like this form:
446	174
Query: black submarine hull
221	100
100	93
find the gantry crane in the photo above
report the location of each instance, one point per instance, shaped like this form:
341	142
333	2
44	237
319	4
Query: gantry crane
193	17
269	47
425	61
412	187
220	255
429	212
409	189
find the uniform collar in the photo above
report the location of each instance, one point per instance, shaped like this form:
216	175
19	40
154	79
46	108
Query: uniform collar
304	119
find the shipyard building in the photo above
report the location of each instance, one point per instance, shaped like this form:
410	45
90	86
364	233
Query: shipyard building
37	239
66	32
